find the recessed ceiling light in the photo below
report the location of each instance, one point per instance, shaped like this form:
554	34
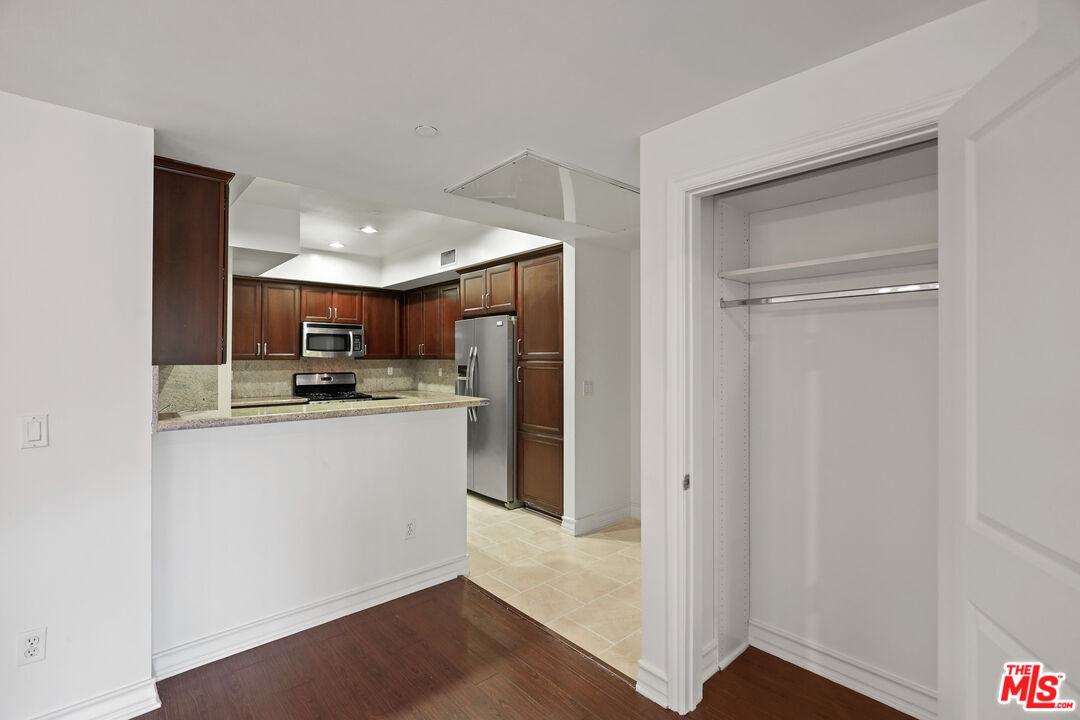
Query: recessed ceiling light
426	130
336	245
368	229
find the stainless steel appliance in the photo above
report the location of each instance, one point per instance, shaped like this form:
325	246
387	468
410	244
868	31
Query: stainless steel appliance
484	355
327	387
333	340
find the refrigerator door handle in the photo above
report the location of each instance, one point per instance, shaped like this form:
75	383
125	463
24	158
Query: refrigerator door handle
470	380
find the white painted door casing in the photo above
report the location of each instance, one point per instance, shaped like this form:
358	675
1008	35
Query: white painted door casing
1009	562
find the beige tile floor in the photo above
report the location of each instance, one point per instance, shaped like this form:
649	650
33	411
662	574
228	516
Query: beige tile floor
587	589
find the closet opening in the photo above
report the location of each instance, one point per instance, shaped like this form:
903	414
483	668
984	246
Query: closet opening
820	425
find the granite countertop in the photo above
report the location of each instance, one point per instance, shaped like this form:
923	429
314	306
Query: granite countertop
398	401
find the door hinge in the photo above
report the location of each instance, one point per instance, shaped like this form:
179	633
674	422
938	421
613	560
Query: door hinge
686	481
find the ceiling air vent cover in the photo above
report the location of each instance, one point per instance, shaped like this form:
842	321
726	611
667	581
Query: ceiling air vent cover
448	258
541	186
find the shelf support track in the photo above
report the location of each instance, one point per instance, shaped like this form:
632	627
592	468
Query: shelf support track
832	295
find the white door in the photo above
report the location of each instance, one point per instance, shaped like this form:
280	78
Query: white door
1010	374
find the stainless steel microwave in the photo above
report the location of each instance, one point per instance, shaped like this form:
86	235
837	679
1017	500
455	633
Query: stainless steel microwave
332	340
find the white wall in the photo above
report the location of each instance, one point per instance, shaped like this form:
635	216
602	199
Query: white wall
603	349
75	237
316	266
920	66
262	530
634	318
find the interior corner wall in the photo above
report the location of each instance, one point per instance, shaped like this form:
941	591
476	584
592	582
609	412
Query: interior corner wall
602	417
919	67
634	318
76	227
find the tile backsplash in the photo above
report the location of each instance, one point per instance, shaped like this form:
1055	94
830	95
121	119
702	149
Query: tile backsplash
187	387
269	378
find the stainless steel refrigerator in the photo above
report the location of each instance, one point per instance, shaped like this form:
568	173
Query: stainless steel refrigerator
484	355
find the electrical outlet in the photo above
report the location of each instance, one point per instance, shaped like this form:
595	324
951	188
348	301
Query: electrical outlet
31	646
389	370
410	529
587	387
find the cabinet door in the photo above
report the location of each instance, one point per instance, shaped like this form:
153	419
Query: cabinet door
281	320
473	293
190	257
540	397
246	317
316	304
449	314
382	324
540	472
501	289
414	322
540	308
348	306
432	329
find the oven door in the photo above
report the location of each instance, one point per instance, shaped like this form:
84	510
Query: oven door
327	340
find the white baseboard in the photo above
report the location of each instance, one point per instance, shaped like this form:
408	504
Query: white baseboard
123	704
652	683
186	656
731	656
635	510
912	698
593	522
710	659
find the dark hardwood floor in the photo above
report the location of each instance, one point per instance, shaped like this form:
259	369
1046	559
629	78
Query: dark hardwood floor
453	651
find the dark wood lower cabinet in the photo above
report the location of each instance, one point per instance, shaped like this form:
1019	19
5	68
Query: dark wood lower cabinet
540	472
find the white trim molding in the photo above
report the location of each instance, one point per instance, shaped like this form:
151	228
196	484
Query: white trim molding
122	704
906	696
186	656
594	521
710	660
652	683
733	655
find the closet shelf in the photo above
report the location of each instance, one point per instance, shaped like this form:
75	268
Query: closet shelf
859	262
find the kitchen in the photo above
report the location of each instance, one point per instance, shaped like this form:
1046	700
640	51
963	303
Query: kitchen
403	377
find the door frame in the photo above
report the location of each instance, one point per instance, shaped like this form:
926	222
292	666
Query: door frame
692	659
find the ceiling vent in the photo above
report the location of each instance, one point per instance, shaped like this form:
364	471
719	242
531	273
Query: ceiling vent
541	186
448	258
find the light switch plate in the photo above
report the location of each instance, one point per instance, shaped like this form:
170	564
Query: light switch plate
34	431
587	387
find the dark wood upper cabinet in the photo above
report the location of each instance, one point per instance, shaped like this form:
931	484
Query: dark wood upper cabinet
540	308
382	324
348	306
191	206
540	472
414	323
280	320
247	320
449	314
316	304
432	346
502	288
473	293
327	304
491	291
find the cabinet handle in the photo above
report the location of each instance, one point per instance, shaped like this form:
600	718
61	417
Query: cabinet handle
335	314
330	313
264	350
517	373
421	348
519	346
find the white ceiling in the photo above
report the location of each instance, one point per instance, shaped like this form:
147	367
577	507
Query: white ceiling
327	217
327	94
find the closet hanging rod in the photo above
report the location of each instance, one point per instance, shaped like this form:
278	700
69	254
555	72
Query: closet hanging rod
832	294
